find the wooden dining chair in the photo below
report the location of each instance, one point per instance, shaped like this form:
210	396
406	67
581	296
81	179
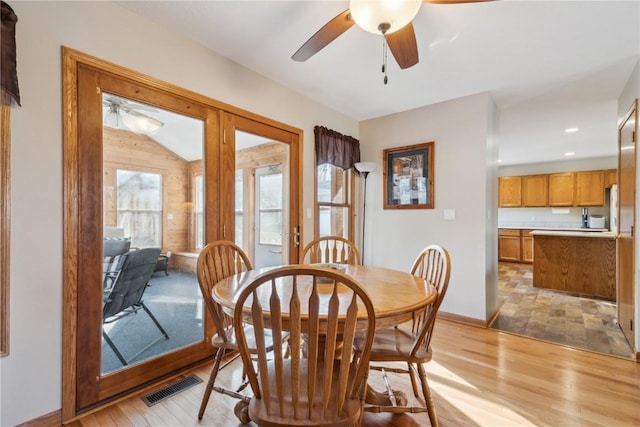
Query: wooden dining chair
219	260
319	383
331	249
411	344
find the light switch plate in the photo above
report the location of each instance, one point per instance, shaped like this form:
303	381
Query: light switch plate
450	214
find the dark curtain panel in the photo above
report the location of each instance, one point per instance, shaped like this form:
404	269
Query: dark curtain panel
9	76
335	148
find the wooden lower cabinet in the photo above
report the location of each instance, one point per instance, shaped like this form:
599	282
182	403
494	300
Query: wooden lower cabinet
527	246
515	245
509	245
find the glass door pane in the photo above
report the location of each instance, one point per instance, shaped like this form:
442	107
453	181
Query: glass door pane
152	222
261	199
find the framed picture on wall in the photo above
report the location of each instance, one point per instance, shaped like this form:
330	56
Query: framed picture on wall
408	177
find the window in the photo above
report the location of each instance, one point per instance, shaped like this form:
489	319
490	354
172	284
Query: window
270	209
334	199
199	212
139	204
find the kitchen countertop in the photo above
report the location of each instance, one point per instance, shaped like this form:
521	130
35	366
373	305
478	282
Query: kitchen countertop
530	227
605	234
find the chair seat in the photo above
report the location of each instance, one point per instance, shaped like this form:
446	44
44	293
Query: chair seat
394	345
259	415
231	343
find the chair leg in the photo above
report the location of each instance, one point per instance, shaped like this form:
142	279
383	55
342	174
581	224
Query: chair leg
414	382
154	320
212	380
431	408
114	348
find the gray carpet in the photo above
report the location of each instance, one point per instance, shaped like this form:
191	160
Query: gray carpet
176	302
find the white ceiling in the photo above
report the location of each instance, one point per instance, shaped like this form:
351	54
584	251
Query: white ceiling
549	65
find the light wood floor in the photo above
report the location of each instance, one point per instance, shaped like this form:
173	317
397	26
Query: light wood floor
479	377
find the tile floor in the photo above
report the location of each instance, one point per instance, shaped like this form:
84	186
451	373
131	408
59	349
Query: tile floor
555	316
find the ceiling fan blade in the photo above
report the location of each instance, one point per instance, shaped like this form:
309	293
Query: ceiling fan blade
132	105
403	46
324	36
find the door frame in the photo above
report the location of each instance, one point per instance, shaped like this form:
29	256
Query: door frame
626	241
76	231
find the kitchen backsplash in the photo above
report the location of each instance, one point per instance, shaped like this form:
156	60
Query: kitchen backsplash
546	218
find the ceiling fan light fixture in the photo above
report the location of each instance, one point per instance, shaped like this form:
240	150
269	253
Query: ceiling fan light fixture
141	123
370	15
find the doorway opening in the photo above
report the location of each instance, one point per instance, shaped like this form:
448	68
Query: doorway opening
572	320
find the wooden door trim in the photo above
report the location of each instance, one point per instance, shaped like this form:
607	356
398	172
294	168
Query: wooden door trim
5	215
72	60
627	306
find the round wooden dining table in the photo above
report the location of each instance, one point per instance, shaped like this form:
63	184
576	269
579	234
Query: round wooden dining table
396	295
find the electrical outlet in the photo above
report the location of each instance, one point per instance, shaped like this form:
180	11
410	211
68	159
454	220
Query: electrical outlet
449	214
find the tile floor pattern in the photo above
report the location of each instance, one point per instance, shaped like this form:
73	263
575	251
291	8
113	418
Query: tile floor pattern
555	316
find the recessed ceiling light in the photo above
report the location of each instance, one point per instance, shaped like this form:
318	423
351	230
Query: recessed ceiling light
499	160
569	153
570	130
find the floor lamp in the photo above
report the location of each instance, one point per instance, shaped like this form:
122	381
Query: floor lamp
364	168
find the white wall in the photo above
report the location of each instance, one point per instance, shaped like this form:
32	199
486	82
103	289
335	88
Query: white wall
30	377
594	163
630	93
461	131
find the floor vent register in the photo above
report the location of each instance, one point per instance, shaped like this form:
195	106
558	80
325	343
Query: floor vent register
164	393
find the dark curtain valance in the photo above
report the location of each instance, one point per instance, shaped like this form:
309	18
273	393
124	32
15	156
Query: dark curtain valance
8	61
335	148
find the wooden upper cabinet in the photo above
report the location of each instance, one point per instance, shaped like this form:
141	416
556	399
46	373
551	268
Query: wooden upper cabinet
590	188
535	190
510	191
611	177
561	189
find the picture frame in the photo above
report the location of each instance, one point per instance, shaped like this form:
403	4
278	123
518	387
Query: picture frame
408	177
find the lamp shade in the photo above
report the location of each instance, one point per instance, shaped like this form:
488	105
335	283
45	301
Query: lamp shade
365	166
369	14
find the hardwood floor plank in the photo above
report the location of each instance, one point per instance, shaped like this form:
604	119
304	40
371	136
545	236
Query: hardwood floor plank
478	377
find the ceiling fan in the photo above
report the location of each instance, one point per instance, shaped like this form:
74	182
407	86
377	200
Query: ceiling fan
390	18
120	111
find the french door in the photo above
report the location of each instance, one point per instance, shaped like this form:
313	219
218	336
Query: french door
207	208
267	178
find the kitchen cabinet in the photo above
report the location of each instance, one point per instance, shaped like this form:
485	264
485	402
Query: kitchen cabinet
561	189
566	189
510	191
526	241
611	177
509	245
589	188
515	245
535	190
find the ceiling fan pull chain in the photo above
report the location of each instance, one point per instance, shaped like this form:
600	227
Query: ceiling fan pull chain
384	59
